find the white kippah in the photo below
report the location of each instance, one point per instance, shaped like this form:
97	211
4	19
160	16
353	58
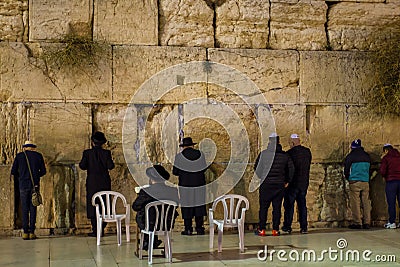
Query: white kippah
387	144
294	136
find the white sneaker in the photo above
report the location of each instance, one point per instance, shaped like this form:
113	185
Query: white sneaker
390	225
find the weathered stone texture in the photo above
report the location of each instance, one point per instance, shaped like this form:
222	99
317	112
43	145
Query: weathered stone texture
25	77
361	26
126	22
13	20
6	198
136	64
61	131
274	72
335	77
185	23
14	130
326	128
242	24
298	26
52	19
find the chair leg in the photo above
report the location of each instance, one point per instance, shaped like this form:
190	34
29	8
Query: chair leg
220	232
211	235
168	247
141	246
119	239
151	241
99	228
128	233
241	237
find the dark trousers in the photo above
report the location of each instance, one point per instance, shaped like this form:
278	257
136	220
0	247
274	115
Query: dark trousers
270	193
199	223
299	196
28	211
392	190
93	221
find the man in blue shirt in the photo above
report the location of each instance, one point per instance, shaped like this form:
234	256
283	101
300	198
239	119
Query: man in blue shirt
20	170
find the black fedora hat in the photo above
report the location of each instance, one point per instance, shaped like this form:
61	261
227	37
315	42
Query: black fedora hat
157	173
187	141
99	138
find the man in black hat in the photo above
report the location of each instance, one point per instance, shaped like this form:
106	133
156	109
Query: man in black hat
97	161
21	170
190	166
157	190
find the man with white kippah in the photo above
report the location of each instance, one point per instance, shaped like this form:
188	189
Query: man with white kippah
297	189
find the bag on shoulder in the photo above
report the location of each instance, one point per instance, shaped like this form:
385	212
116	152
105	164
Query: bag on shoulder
36	198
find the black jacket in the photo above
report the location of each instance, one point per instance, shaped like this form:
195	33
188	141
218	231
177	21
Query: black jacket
154	192
190	166
280	171
97	161
20	169
301	157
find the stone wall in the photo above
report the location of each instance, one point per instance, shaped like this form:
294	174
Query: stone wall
311	60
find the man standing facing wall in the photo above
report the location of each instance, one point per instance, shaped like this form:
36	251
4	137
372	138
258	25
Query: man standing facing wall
297	189
356	171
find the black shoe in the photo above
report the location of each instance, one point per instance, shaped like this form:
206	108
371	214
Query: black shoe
354	226
157	244
200	232
186	232
287	230
92	234
303	231
366	226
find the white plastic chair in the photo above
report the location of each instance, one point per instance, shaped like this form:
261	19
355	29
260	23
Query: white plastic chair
161	209
231	204
108	202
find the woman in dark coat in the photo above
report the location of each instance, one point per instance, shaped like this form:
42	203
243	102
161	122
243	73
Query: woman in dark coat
97	161
190	166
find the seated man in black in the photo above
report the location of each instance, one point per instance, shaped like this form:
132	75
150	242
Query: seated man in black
157	190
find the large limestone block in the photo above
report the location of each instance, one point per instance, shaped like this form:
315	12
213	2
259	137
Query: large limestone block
314	193
82	223
326	128
298	25
135	65
57	189
52	19
6	198
377	194
335	77
185	23
361	26
25	77
61	131
242	24
14	130
126	22
13	20
275	73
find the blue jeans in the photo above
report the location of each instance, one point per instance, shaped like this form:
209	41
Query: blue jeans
292	195
28	211
392	190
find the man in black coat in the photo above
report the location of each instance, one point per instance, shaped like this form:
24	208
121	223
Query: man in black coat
190	166
157	190
275	169
97	161
297	189
20	170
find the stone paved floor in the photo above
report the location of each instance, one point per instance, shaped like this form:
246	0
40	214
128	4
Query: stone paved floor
193	251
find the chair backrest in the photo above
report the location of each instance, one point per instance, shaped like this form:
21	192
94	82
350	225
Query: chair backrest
108	202
231	211
160	215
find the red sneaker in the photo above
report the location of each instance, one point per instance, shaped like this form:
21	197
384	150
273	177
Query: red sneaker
275	233
261	232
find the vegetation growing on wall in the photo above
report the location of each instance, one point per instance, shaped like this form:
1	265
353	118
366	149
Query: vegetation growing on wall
77	52
385	97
